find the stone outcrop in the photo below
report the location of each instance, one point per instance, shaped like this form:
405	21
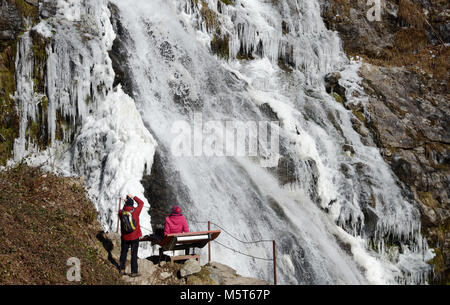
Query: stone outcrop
191	266
225	275
190	272
406	73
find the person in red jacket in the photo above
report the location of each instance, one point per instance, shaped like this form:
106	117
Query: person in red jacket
131	239
175	222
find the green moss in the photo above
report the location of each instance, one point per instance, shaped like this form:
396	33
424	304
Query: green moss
9	120
427	199
39	49
220	46
211	18
359	115
227	2
44	103
338	98
27	10
63	126
200	278
37	131
32	131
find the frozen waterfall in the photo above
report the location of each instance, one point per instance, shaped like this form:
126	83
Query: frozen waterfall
334	206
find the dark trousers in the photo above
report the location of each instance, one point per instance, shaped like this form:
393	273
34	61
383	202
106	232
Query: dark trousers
125	244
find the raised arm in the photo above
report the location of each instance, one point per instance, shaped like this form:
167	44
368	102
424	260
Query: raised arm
140	205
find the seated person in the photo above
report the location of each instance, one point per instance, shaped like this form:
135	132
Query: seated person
175	222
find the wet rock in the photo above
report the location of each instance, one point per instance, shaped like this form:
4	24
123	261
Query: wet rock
267	110
119	53
332	85
163	188
286	170
349	149
166	51
345	169
370	219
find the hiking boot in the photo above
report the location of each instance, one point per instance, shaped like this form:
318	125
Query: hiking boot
135	274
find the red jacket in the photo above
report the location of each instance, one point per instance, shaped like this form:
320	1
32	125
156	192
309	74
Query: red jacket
135	214
175	224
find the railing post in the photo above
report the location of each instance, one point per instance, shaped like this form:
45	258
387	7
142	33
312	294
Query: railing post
209	243
274	263
118	219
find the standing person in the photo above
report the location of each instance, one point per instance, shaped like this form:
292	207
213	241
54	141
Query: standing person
175	222
130	231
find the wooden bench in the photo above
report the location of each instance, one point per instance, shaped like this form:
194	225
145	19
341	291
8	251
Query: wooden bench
183	241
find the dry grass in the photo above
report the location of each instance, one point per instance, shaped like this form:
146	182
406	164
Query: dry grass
434	60
211	18
410	14
46	220
410	48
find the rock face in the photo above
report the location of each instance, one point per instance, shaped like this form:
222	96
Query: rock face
403	26
410	124
11	20
405	73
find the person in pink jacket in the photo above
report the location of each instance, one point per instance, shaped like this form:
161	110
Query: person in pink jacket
175	222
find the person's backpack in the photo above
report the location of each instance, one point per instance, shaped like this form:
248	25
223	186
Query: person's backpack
127	222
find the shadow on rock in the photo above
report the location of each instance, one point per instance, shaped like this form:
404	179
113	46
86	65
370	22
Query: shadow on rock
108	245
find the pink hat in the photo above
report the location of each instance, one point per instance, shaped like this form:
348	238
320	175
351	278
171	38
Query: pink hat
176	210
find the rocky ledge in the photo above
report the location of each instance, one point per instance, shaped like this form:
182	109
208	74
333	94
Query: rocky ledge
165	273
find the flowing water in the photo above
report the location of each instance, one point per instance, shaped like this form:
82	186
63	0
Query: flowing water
333	205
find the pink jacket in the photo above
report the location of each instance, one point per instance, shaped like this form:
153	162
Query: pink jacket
175	224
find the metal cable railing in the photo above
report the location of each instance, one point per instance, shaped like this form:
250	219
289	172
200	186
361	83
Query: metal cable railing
164	213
